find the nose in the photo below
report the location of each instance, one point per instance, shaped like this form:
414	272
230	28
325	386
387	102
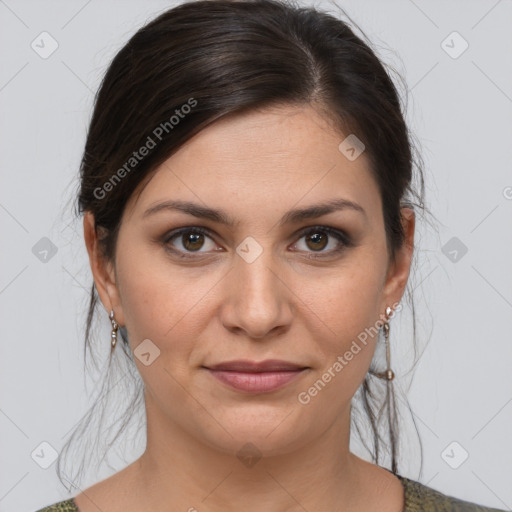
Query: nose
257	301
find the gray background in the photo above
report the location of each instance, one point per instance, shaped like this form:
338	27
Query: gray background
460	107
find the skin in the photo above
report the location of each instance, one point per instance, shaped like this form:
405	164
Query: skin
218	307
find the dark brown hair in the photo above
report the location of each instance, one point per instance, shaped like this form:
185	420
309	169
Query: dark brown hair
203	60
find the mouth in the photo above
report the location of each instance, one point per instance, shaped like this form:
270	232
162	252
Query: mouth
257	377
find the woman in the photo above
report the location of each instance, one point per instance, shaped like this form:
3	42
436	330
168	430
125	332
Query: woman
249	219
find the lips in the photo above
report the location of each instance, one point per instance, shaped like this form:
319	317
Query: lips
257	377
246	366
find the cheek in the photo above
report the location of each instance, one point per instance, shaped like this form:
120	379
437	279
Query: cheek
345	343
349	301
346	307
160	301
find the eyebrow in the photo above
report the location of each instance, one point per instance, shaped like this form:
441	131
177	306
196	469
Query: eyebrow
221	217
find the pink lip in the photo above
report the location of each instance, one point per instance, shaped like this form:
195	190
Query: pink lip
256	382
247	366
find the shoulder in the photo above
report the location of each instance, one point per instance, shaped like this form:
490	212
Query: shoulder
62	506
420	498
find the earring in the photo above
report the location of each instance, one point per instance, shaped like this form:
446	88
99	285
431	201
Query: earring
113	333
388	374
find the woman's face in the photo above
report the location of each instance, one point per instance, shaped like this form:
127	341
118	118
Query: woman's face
269	286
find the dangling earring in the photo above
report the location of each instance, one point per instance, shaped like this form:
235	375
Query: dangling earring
113	333
388	374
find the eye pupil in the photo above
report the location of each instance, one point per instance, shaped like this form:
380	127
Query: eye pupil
190	239
317	238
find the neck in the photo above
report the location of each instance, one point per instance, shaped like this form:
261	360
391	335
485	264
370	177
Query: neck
180	469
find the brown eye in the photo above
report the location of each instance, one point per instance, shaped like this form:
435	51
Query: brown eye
317	241
189	240
192	241
317	238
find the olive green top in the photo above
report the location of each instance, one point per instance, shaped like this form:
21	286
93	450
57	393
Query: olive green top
418	498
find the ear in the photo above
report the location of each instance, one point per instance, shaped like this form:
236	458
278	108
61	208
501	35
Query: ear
103	271
398	272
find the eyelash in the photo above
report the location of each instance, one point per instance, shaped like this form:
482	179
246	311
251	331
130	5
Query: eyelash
343	239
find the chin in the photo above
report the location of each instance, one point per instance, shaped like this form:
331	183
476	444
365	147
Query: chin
265	436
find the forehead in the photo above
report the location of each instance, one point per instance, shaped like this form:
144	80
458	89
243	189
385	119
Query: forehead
272	158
